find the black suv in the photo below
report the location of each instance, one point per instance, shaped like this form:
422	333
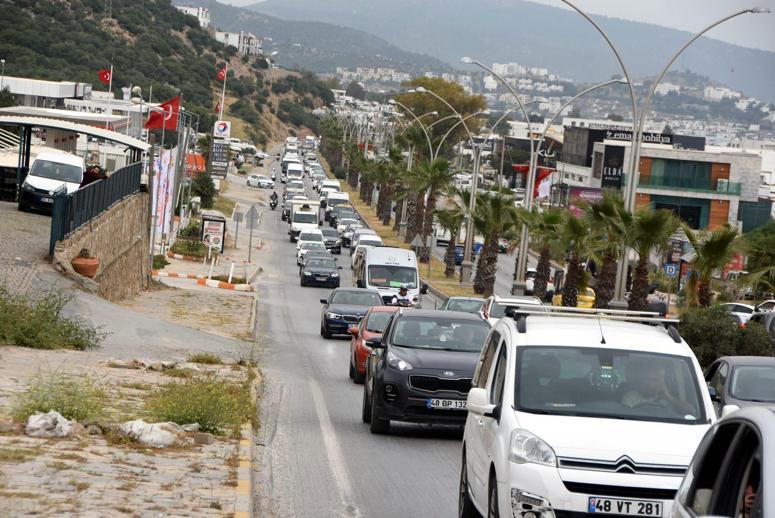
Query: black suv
421	369
332	240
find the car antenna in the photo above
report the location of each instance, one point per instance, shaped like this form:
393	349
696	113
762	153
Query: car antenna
599	323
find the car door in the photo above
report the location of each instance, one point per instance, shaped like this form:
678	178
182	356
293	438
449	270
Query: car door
718	381
491	425
476	453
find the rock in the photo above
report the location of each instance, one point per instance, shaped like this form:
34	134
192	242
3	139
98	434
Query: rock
52	424
122	364
6	426
189	366
156	435
94	429
203	438
78	429
194	427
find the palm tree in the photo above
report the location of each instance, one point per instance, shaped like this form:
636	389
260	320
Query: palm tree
713	251
649	231
450	220
582	243
544	231
386	176
495	217
431	179
611	220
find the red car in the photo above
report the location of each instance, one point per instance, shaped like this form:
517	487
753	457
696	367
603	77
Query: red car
372	326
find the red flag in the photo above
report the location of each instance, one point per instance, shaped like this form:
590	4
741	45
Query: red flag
542	174
222	74
167	117
217	107
104	75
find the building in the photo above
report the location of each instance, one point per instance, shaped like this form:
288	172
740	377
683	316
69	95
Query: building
246	43
666	88
202	14
45	94
717	93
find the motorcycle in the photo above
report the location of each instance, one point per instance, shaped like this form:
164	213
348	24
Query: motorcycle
402	303
273	204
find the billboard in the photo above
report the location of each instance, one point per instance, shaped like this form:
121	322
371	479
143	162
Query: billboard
219	158
163	189
613	167
578	195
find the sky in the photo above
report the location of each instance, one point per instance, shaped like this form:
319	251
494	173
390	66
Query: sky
751	30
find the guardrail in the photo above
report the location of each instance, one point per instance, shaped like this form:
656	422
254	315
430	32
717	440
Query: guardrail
71	211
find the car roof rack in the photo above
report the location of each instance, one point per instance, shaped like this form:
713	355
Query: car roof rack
520	314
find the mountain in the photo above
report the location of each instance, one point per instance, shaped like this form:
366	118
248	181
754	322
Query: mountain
319	47
537	35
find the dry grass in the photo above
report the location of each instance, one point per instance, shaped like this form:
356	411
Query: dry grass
17	454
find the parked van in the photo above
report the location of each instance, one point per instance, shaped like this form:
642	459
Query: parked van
50	172
389	269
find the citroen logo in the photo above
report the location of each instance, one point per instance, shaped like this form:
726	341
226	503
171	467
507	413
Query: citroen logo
625	465
448	373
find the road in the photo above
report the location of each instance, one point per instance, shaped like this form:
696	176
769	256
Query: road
316	457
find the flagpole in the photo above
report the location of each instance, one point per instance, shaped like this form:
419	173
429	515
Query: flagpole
223	92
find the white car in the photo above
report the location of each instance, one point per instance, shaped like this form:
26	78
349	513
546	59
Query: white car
495	306
310	236
342	224
260	181
530	277
742	311
575	411
307	247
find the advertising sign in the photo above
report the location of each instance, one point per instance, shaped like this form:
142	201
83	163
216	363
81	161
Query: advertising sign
163	187
613	167
577	195
222	129
219	158
213	233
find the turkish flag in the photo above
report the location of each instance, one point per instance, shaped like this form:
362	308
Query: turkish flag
222	74
167	117
543	182
104	75
217	107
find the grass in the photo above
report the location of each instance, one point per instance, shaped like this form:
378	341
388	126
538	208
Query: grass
222	203
205	358
58	465
217	406
76	398
176	372
17	454
37	322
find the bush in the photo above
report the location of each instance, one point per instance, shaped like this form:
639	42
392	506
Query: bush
193	229
159	262
215	405
38	323
205	358
79	399
754	340
190	247
204	187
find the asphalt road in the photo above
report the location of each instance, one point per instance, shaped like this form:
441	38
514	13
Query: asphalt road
316	457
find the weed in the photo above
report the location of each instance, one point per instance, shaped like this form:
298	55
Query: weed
127	486
136	385
205	358
79	398
16	454
167	487
58	465
159	262
196	468
216	405
80	486
71	456
179	373
18	494
216	505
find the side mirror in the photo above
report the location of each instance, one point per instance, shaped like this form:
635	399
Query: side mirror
714	396
478	402
359	284
728	409
424	289
353	330
375	343
339	267
320	223
324	301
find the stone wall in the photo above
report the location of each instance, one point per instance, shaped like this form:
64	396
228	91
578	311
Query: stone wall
119	239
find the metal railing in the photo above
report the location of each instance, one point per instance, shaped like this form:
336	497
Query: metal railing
71	211
720	186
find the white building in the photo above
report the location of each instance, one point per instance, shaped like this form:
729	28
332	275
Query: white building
45	94
717	93
490	83
246	43
666	88
202	14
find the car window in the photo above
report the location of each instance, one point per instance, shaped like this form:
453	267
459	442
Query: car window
437	332
310	237
499	378
356	298
485	360
378	321
320	263
701	476
739	474
753	383
719	378
465	305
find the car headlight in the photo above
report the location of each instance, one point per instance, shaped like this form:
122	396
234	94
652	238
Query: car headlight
27	187
307	274
398	363
527	447
334	274
337	242
333	316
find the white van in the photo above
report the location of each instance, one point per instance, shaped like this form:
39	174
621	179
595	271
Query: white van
49	172
334	199
332	184
294	171
388	269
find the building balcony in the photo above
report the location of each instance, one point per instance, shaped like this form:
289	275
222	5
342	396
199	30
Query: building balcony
719	186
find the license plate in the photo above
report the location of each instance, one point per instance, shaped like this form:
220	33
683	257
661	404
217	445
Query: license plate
47	200
319	278
446	404
625	507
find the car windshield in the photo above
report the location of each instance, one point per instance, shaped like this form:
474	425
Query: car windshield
323	264
498	310
347	221
336	201
378	321
305	217
440	333
608	383
312	246
329	232
309	236
356	298
465	305
387	276
57	171
753	383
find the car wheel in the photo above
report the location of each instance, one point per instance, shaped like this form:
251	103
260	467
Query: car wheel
357	376
366	406
301	282
22	207
492	502
377	424
465	507
352	368
324	332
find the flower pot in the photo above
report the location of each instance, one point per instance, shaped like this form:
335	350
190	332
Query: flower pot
86	266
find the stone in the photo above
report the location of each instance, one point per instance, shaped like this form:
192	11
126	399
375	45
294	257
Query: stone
156	435
193	427
78	429
94	429
52	424
6	426
122	364
203	438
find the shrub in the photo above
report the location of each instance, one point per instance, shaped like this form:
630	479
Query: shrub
205	358
38	323
193	229
204	187
710	332
190	247
77	398
159	262
754	340
215	405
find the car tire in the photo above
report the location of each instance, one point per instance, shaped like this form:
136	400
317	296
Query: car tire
492	500
324	332
301	282
465	507
23	208
366	406
357	377
351	369
377	425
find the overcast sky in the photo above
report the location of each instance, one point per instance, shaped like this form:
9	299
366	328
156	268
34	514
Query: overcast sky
750	30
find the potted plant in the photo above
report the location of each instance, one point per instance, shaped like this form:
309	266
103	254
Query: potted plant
85	264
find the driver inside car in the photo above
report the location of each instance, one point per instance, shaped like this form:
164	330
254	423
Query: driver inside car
650	388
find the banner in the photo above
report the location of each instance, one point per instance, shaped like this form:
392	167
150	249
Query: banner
163	186
613	167
578	195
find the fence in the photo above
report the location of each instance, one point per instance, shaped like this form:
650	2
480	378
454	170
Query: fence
71	211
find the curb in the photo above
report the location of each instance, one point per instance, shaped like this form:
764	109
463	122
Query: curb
243	506
211	283
187	257
161	273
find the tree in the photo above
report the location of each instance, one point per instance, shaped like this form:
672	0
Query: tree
356	91
582	243
203	186
759	244
7	98
650	231
543	227
615	117
450	220
612	221
430	179
495	217
713	252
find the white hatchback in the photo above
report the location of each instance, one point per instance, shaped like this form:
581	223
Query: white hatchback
575	412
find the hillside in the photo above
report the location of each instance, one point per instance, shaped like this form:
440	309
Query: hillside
536	35
149	43
319	47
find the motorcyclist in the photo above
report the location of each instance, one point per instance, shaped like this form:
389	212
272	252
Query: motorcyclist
403	298
273	196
